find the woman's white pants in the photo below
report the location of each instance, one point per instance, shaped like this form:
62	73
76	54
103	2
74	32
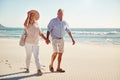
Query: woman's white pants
29	49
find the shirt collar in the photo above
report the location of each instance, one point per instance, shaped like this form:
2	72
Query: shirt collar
59	19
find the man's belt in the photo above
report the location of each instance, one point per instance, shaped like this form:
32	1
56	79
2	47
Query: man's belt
58	37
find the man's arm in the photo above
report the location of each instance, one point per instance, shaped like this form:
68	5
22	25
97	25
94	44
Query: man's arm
70	34
48	33
47	40
49	29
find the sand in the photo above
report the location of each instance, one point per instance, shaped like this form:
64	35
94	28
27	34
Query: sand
83	61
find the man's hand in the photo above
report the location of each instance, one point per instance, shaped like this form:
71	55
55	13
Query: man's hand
73	42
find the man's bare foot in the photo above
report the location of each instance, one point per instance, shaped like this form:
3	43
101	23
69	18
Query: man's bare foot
51	68
60	70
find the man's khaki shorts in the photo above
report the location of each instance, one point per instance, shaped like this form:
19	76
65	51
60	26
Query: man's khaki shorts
58	45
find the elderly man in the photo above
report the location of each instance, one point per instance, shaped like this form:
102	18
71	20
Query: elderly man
57	28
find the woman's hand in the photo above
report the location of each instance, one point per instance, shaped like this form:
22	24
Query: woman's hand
29	14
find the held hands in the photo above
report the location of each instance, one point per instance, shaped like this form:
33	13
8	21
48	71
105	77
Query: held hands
47	41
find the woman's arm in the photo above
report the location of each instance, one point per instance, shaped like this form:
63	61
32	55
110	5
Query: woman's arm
26	23
46	40
42	35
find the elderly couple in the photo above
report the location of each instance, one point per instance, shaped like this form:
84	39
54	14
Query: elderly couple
56	28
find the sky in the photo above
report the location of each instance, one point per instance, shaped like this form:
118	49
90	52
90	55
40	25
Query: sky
77	13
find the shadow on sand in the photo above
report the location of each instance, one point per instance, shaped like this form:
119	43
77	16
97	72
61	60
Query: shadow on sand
20	77
17	77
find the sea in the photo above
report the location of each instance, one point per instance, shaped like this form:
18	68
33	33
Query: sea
81	35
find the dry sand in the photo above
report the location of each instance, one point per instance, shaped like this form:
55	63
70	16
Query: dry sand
83	61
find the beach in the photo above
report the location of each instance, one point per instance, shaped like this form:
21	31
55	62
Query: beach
82	61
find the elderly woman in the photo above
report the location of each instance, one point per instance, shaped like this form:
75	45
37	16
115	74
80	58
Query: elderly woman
32	39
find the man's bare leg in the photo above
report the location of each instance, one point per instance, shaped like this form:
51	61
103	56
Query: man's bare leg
52	61
53	58
59	69
59	60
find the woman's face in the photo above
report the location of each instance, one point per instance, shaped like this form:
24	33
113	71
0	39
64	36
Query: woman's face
32	16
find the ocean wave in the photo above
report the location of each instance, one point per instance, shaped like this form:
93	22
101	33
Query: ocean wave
80	35
95	33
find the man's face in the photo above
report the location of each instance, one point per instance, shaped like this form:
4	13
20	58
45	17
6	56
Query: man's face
60	14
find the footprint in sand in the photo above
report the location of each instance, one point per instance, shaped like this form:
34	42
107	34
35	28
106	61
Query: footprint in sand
1	61
6	62
10	66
